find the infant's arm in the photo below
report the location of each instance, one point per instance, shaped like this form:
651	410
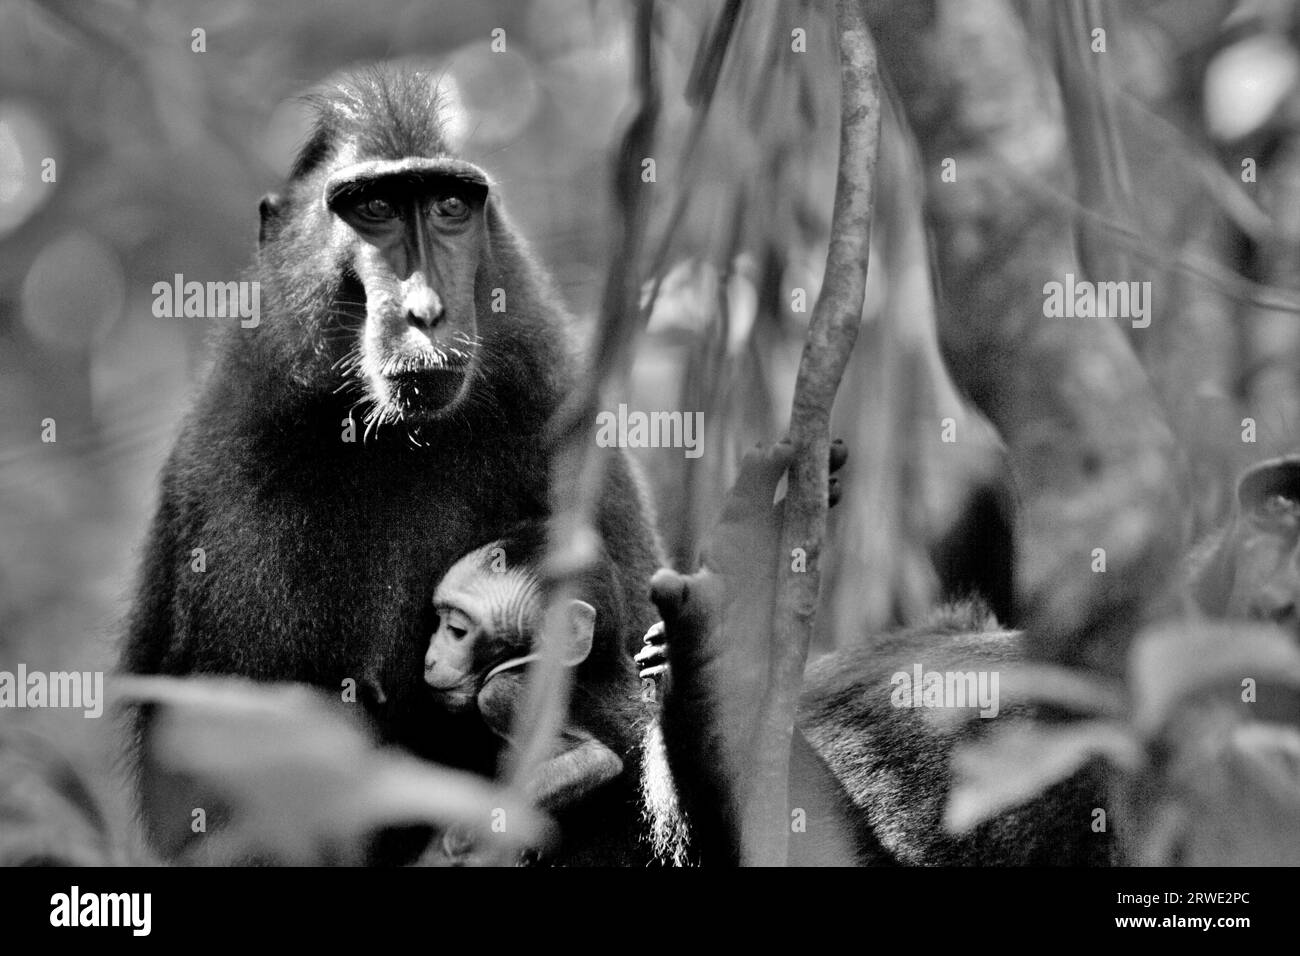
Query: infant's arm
580	764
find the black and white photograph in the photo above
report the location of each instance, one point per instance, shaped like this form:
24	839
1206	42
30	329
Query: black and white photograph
643	435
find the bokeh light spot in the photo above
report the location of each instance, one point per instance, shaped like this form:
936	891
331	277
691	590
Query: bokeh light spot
24	143
73	293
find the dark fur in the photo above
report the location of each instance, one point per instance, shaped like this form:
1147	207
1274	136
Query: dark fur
322	555
895	762
976	555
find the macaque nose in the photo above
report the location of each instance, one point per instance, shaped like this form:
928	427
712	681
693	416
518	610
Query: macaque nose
423	307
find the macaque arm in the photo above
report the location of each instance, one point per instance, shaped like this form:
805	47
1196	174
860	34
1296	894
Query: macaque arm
580	767
574	773
500	698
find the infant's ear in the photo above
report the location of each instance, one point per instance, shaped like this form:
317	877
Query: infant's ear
580	631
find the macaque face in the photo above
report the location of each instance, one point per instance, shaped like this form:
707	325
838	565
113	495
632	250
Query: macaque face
449	662
413	233
489	615
486	612
1266	545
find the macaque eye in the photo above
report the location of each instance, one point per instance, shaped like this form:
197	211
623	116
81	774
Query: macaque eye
457	633
451	207
377	209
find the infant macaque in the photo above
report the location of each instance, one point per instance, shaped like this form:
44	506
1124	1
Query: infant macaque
490	606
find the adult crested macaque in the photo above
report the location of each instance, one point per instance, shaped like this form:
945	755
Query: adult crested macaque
894	761
490	607
387	411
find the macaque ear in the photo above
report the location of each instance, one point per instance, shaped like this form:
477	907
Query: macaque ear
580	633
269	209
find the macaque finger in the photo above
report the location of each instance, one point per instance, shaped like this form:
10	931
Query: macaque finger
655	634
653	673
839	455
652	659
650	655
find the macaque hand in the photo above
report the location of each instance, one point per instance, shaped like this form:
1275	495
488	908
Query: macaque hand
652	659
743	544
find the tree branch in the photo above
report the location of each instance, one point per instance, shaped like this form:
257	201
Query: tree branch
831	334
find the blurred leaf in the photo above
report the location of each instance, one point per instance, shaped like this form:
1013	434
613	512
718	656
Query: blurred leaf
301	776
1269	754
1170	662
48	816
1072	690
1245	802
1019	763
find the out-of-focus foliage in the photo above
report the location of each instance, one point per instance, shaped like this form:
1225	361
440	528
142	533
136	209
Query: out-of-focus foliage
48	814
304	782
1200	778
